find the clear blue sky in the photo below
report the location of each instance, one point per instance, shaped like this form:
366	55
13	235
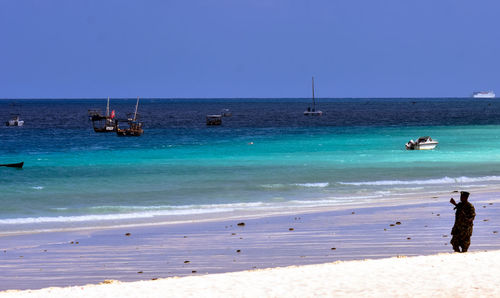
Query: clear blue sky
248	48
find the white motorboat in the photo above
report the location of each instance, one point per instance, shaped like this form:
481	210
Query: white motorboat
312	111
423	143
15	121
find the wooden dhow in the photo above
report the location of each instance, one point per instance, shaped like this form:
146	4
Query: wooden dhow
134	127
103	123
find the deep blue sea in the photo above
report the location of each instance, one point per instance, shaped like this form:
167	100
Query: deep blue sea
267	156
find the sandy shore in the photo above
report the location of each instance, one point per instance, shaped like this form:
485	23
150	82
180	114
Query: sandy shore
72	258
440	275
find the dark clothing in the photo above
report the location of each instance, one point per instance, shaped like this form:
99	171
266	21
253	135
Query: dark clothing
462	230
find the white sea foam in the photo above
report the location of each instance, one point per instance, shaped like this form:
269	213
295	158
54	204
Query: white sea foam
319	184
231	206
444	180
404	189
331	201
279	185
128	212
138	212
124	213
37	187
106	217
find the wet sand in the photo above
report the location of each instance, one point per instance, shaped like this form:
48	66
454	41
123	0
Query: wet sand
35	261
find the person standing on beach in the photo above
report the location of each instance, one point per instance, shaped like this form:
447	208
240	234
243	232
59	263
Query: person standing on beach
464	217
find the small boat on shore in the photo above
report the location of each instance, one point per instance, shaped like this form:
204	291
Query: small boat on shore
102	123
134	127
422	143
13	165
14	121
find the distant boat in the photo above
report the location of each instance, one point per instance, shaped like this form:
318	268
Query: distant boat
134	127
102	123
13	165
312	111
484	94
14	121
226	113
423	143
214	119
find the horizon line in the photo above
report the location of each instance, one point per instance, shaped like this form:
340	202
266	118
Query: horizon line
209	98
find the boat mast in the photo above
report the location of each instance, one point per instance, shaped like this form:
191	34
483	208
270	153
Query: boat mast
107	108
136	105
314	104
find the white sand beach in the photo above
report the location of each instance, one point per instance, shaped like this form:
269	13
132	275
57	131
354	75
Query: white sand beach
442	275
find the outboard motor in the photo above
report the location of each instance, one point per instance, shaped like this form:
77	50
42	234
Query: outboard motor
410	145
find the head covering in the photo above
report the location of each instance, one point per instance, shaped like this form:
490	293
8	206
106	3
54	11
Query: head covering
465	194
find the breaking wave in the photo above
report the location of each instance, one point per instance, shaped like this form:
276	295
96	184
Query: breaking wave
124	213
295	185
444	180
319	184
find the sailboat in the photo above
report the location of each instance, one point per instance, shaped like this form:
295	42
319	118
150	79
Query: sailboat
312	111
134	127
102	123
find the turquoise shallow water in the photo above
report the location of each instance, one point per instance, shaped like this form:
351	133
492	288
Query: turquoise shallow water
180	168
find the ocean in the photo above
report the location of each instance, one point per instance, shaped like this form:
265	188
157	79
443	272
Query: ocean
266	157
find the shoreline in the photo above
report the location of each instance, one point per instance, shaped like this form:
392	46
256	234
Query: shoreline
32	261
253	213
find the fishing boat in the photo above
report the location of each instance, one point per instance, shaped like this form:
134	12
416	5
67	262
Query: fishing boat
483	94
134	127
14	121
422	143
13	165
311	111
214	119
102	123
